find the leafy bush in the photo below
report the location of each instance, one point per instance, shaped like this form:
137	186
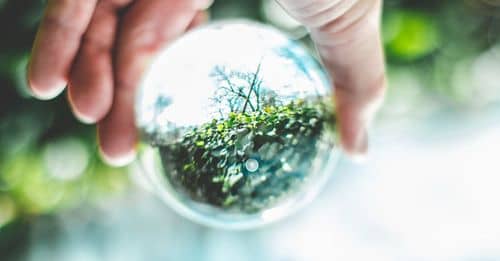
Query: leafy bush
249	161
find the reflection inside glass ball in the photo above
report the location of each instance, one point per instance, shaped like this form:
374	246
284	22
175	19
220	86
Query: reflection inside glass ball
239	124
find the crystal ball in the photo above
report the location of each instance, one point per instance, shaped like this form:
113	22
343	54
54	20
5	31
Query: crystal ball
237	125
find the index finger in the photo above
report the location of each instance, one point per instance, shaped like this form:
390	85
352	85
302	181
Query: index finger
146	28
56	44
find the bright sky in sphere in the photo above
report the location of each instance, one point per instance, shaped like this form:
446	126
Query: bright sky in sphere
182	72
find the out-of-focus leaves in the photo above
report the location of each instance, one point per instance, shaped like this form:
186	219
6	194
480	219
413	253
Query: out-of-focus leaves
13	240
410	35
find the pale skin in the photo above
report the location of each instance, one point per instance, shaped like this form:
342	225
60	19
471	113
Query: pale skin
99	49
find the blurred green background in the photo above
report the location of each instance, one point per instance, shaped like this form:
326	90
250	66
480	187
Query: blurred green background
442	56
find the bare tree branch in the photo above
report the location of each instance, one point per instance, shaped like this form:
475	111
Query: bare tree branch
256	75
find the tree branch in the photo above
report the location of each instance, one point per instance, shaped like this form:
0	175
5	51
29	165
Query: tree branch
252	88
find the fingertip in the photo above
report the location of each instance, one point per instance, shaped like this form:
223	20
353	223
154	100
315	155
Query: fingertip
356	156
41	87
355	144
117	159
117	145
90	112
42	92
82	117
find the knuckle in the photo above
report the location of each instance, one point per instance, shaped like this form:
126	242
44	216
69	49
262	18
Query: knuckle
94	44
315	13
350	26
329	16
147	39
125	86
68	14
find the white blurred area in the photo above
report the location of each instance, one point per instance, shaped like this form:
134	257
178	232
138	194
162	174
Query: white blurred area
66	159
427	192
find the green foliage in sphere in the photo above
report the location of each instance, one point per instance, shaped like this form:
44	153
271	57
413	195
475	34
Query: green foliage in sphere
249	161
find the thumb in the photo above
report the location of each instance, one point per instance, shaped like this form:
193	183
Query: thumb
347	36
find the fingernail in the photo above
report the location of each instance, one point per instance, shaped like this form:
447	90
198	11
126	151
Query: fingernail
79	115
82	117
118	161
360	149
47	94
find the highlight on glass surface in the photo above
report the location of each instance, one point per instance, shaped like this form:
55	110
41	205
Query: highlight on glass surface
237	123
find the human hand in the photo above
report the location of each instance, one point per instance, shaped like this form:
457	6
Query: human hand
347	36
99	48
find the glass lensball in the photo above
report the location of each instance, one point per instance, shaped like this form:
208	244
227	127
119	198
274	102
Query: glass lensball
238	124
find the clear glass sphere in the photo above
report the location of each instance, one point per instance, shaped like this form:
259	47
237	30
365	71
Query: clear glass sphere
238	125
